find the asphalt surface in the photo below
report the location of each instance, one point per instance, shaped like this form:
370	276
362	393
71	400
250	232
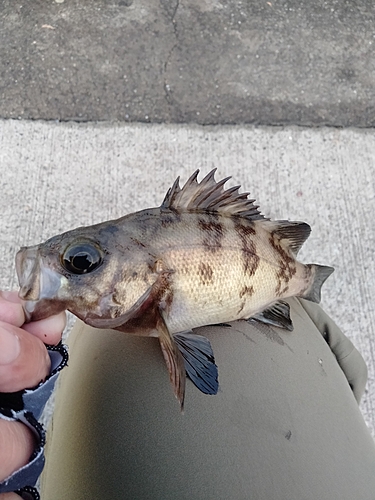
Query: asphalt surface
273	62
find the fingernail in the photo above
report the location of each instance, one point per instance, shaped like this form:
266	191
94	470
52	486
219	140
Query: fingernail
9	346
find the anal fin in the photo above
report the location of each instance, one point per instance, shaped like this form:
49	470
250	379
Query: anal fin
174	361
199	361
276	315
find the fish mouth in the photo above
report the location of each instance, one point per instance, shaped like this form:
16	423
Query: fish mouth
28	273
38	284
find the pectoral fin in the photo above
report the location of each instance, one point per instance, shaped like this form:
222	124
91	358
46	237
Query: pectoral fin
276	315
174	361
199	361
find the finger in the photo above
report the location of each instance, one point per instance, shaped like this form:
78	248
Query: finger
24	360
17	444
9	496
11	310
49	330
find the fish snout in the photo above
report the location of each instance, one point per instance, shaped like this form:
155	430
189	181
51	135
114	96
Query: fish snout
39	285
37	277
28	273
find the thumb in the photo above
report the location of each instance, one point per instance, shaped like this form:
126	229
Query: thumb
24	360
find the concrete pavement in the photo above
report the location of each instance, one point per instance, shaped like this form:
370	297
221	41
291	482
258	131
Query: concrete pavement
58	176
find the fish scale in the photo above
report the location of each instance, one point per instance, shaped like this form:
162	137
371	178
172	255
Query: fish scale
206	255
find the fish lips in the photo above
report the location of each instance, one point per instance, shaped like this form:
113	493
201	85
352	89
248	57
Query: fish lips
39	285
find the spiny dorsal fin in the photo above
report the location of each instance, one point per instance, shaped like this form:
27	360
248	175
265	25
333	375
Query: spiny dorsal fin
210	196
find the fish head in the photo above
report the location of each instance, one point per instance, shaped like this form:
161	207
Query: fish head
79	271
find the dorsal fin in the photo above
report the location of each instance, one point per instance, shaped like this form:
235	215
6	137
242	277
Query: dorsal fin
292	234
210	196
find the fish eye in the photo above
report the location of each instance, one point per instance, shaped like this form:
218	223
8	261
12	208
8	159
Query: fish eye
81	258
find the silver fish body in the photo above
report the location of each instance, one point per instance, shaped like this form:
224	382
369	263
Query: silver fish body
205	256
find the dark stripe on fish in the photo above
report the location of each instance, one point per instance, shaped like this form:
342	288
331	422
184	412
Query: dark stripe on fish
169	217
205	273
213	233
286	263
247	290
249	256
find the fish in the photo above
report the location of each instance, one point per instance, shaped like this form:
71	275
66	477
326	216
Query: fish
206	255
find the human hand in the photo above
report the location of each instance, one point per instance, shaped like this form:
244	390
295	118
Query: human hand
24	362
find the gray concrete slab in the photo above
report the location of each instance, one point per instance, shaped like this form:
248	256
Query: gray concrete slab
296	62
57	176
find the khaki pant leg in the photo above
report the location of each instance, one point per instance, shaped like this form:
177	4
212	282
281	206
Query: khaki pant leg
284	426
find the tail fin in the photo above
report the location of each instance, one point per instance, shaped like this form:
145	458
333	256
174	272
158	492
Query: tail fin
319	275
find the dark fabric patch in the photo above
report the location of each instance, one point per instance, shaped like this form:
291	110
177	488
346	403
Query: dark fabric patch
270	334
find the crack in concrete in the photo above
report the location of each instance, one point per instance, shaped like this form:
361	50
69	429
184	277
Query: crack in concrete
110	121
166	87
174	15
